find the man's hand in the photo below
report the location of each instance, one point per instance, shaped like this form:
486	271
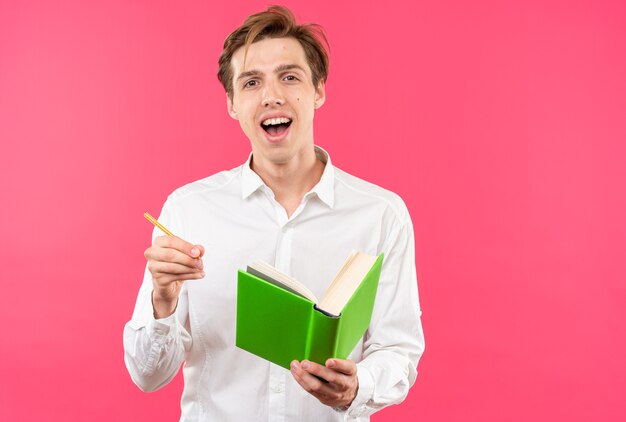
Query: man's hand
171	261
342	385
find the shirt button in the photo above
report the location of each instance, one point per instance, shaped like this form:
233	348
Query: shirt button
278	388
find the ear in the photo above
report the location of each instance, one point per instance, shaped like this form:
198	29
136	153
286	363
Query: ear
231	107
320	95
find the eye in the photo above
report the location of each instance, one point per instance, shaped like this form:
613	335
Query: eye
251	83
290	78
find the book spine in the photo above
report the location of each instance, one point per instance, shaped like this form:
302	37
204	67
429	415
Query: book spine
322	337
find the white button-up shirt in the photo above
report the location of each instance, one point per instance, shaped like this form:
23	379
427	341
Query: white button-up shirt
235	216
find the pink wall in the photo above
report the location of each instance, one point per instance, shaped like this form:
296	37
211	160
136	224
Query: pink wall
502	124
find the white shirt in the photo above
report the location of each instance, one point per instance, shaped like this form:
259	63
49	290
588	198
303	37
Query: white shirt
234	215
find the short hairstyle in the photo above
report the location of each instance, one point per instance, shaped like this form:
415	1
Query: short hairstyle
275	22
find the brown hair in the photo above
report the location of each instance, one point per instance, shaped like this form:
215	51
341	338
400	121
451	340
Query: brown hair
275	22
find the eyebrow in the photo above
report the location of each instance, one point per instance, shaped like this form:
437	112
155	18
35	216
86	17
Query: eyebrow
279	69
286	67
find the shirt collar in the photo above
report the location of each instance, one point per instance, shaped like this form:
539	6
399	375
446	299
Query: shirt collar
324	189
250	181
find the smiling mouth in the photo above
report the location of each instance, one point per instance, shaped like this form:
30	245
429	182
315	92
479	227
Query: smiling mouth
277	126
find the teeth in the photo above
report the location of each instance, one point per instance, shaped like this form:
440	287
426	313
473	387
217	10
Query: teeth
275	121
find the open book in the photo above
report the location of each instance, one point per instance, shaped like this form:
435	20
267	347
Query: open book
280	320
348	278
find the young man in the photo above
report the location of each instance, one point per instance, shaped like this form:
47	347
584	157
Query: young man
289	206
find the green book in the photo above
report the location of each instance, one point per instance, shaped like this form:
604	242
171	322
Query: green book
280	320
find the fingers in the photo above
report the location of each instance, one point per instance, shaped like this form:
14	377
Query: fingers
314	374
346	367
200	249
174	242
342	385
163	277
173	259
306	374
177	261
175	250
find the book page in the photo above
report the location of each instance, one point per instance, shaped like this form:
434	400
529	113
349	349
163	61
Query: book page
270	274
346	282
346	264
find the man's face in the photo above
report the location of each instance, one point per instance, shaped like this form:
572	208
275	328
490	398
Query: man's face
274	99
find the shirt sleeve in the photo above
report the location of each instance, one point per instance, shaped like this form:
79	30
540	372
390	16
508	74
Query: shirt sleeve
394	341
154	349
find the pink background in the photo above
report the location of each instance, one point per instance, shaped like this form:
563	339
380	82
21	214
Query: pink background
501	124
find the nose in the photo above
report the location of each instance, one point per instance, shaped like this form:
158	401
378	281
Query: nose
272	96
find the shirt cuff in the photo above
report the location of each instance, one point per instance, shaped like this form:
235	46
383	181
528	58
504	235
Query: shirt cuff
163	326
359	408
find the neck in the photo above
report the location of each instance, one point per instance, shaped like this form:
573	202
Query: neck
290	181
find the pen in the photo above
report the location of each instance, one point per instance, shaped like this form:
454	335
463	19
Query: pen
164	230
156	223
